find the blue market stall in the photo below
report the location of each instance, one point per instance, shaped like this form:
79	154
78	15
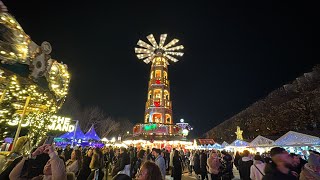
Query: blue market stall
92	138
75	137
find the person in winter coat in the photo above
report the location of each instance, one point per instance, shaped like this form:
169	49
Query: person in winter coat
160	161
279	168
75	163
214	164
191	159
85	170
177	168
257	169
96	164
227	173
141	159
196	162
123	163
203	165
311	170
244	165
236	159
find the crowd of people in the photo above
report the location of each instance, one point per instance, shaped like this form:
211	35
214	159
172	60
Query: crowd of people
278	164
88	163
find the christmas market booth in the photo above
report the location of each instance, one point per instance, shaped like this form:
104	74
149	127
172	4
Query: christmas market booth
261	144
237	145
78	138
298	142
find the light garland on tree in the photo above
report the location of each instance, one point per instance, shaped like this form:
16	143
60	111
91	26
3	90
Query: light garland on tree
16	47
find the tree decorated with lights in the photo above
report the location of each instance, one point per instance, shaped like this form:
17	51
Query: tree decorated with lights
33	86
158	112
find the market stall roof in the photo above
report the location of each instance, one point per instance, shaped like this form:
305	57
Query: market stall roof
224	144
292	138
239	143
206	141
91	134
261	141
217	146
69	135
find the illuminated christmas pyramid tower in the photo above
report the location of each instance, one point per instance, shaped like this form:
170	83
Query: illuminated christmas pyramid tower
158	112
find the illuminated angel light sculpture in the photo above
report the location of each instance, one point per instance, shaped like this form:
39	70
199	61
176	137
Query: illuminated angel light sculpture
158	111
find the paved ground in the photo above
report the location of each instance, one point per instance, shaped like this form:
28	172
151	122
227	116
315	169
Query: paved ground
186	176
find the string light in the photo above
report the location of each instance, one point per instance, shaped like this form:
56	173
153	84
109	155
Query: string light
17	47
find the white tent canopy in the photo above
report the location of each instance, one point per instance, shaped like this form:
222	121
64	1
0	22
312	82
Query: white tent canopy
239	143
261	141
224	144
292	138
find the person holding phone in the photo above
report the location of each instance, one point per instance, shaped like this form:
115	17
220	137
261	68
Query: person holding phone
53	170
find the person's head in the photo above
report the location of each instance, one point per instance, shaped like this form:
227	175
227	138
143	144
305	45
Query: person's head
68	146
176	153
295	159
141	154
76	155
281	157
156	152
116	151
214	154
314	162
149	171
246	153
257	158
89	152
97	151
123	150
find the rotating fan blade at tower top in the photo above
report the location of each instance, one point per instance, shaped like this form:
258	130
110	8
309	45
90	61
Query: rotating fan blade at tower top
149	59
141	50
171	43
174	53
163	38
152	40
171	58
142	56
175	48
145	45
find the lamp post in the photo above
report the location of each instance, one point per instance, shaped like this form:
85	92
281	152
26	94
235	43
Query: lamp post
19	124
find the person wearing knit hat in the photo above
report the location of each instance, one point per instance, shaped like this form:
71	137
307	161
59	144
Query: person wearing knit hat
311	170
279	169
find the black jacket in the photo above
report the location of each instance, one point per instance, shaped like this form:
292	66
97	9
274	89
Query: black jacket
123	160
196	165
203	162
272	173
244	165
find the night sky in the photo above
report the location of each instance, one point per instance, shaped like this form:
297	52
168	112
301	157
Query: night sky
235	52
